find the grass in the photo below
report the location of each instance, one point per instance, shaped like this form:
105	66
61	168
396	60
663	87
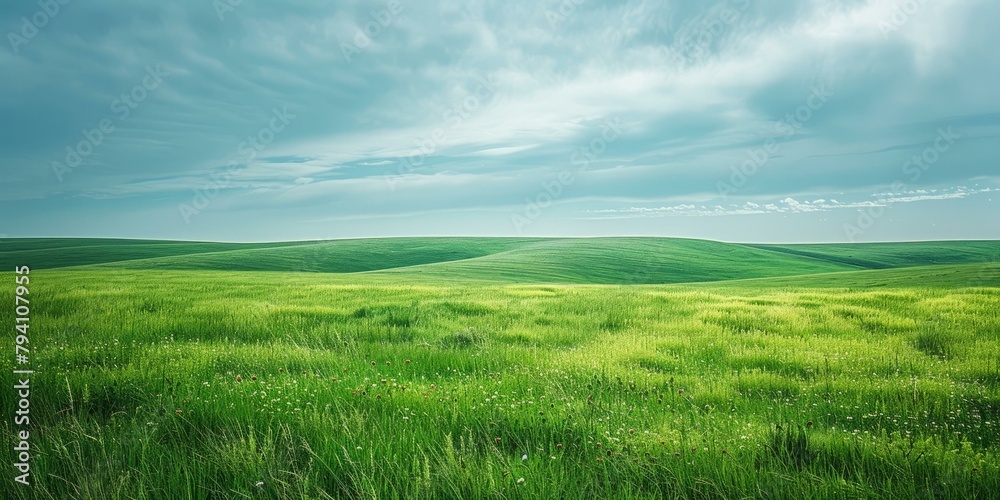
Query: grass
201	383
941	276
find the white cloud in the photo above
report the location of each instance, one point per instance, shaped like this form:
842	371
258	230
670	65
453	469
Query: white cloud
790	205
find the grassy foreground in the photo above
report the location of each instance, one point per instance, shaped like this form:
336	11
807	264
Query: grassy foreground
157	383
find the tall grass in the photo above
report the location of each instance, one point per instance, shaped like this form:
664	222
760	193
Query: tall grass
362	389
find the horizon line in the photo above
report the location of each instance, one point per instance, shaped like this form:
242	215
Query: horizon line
350	238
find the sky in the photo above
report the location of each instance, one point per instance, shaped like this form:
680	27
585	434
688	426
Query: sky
736	120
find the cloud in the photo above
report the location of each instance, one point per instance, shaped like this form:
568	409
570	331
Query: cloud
791	205
477	105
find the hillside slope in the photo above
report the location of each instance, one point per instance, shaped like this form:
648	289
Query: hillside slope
501	260
337	256
889	255
622	261
49	253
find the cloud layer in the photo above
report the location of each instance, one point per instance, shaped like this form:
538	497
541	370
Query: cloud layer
256	120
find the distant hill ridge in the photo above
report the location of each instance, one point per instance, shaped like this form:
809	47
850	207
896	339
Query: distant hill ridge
610	260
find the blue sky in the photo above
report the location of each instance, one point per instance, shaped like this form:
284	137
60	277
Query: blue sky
736	120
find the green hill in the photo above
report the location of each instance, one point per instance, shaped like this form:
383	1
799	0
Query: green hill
48	253
622	261
889	255
337	256
505	260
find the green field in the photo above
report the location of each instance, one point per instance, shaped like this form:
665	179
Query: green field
508	368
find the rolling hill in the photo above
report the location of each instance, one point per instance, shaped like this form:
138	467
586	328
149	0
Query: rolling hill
623	261
523	260
889	255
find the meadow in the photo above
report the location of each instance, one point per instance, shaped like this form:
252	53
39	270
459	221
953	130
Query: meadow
509	368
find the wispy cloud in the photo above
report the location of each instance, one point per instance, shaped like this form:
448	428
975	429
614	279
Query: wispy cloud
791	205
473	105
